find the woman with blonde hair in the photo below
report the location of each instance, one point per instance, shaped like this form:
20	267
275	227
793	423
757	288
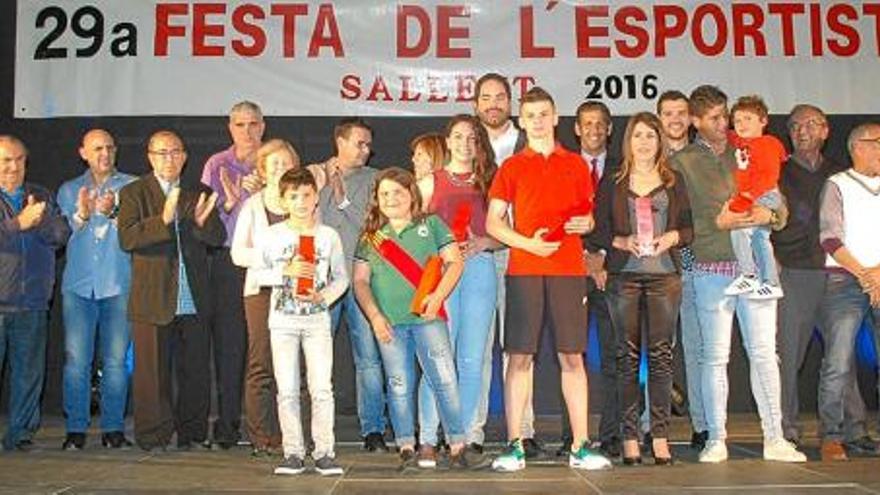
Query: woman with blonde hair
258	213
428	154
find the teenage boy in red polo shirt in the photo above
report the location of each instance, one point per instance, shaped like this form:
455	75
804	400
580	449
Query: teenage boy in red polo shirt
551	194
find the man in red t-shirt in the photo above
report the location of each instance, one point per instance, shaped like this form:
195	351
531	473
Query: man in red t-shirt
551	192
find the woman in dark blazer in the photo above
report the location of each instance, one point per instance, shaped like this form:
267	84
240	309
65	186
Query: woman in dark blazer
642	217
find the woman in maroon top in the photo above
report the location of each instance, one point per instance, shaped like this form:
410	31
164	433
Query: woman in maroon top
457	194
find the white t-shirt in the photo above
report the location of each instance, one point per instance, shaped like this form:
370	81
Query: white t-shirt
331	279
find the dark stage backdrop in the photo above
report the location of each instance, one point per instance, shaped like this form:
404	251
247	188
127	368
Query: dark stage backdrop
53	159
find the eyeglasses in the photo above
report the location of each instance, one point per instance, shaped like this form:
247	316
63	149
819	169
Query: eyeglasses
810	125
875	140
175	154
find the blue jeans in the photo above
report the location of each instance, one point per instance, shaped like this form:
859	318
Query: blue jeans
471	308
83	318
692	347
23	335
752	247
754	253
430	343
367	364
757	324
844	307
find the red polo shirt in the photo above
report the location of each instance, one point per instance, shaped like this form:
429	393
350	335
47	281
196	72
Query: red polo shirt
543	192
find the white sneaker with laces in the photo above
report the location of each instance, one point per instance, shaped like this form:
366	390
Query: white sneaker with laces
714	452
742	284
782	450
766	291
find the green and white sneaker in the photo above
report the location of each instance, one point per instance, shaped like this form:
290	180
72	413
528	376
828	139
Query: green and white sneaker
588	459
513	458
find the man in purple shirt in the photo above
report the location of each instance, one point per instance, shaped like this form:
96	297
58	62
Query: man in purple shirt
233	176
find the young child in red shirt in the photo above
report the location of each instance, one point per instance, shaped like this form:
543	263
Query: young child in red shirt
759	160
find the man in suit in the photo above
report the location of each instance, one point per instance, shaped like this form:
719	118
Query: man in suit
168	229
593	129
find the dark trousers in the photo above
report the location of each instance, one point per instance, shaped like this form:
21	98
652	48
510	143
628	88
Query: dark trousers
800	312
229	343
23	336
662	296
609	424
261	410
180	347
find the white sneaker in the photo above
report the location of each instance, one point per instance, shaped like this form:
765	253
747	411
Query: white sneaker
742	284
588	459
714	452
766	291
782	450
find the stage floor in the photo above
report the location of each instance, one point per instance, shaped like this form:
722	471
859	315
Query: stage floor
48	469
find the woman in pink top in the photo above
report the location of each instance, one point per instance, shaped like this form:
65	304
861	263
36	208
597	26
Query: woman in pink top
457	194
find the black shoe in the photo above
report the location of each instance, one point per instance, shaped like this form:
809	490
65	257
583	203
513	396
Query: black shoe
862	445
632	461
409	463
291	466
187	446
610	448
115	440
25	445
476	447
698	440
73	441
468	458
442	446
664	461
532	449
565	449
225	444
375	442
327	466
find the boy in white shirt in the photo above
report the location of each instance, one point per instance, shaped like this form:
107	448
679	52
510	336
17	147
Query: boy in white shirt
305	266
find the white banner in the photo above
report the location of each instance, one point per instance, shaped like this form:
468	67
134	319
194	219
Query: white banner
387	58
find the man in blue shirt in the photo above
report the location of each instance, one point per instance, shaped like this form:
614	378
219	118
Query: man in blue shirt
95	290
31	229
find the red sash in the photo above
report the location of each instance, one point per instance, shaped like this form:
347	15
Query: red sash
423	279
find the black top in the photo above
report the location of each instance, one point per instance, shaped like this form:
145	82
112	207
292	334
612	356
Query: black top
797	245
612	219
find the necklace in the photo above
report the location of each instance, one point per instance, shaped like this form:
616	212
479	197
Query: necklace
461	179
